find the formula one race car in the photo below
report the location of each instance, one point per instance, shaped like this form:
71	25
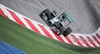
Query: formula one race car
59	24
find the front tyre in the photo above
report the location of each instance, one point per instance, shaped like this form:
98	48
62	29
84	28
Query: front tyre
67	31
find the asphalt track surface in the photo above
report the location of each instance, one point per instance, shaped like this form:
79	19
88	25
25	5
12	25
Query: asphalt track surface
78	10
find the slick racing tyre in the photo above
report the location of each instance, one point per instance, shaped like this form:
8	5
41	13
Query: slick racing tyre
43	16
62	29
67	31
46	11
56	31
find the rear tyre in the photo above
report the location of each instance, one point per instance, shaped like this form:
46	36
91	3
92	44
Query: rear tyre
43	16
67	31
55	12
56	31
46	11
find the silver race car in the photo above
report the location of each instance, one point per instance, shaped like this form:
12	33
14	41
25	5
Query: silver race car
58	24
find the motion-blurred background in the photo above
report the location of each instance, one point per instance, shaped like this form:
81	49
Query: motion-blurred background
85	13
